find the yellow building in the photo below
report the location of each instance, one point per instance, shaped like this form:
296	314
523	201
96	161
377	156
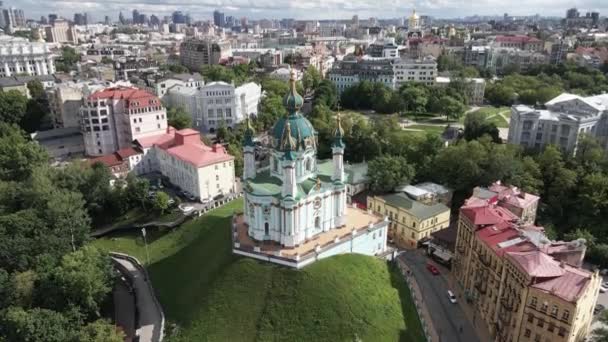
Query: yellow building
521	285
411	219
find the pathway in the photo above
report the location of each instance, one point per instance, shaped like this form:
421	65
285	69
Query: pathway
150	316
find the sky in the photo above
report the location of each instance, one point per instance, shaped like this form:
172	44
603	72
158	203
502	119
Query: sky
306	9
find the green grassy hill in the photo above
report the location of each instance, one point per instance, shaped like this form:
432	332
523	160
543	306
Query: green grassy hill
213	295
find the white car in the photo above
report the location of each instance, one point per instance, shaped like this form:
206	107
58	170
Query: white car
185	208
452	297
603	289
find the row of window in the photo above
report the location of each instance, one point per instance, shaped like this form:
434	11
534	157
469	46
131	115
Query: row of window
545	306
145	110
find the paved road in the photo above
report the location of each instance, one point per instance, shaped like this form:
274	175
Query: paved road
448	318
149	316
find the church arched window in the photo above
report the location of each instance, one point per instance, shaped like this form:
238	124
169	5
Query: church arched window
317	222
276	164
309	164
266	229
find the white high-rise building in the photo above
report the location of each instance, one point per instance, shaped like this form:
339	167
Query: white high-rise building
18	56
113	118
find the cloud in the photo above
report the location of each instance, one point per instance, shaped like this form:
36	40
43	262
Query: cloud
306	9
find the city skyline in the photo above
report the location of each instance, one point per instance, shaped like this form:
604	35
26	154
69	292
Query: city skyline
307	9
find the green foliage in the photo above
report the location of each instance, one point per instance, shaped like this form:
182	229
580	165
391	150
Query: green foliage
311	79
18	156
452	108
336	298
238	74
371	95
68	60
176	68
178	118
24	325
36	89
386	173
82	280
13	105
326	94
161	202
100	331
476	126
449	62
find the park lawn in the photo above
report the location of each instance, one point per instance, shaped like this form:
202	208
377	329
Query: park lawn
428	128
491	113
213	295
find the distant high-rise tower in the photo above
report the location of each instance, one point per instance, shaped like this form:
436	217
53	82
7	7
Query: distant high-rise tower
218	19
355	20
178	17
572	13
121	18
135	17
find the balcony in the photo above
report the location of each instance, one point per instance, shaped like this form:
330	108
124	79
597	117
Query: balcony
481	287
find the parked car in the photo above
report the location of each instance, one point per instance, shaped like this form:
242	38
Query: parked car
598	308
452	297
603	289
432	269
151	194
605	284
185	208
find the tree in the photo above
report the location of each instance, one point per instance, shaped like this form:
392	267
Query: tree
161	202
137	191
36	89
82	280
387	172
68	60
178	118
311	79
100	331
326	94
452	108
415	99
18	156
13	106
476	125
36	324
22	288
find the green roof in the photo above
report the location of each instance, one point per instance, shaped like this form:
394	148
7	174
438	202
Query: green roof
299	126
266	185
354	173
420	210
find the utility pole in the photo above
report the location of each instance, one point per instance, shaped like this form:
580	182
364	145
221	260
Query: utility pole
143	232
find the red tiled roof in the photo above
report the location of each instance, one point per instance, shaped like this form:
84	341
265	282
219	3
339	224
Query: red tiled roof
537	264
127	152
109	160
569	286
487	215
192	151
135	97
493	236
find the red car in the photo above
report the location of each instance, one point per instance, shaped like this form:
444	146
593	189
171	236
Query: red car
432	269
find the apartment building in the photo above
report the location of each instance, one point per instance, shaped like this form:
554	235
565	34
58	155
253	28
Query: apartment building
414	213
521	285
352	70
217	103
60	31
415	70
565	118
521	42
196	53
112	118
19	56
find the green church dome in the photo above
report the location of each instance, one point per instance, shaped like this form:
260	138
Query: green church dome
301	133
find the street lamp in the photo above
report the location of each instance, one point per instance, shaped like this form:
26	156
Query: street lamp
143	232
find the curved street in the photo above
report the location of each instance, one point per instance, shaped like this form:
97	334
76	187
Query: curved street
448	319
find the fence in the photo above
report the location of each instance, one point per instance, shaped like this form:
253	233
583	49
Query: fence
143	271
427	327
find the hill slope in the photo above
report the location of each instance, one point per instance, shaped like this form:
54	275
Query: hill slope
215	296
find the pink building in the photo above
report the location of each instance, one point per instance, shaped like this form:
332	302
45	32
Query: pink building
111	119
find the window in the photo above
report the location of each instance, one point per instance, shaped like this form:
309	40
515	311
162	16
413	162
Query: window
530	318
217	178
540	323
562	332
137	129
527	333
543	308
266	229
566	315
554	311
414	224
413	236
317	222
139	119
551	327
537	338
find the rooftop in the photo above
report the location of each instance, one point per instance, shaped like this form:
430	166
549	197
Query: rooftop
420	210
